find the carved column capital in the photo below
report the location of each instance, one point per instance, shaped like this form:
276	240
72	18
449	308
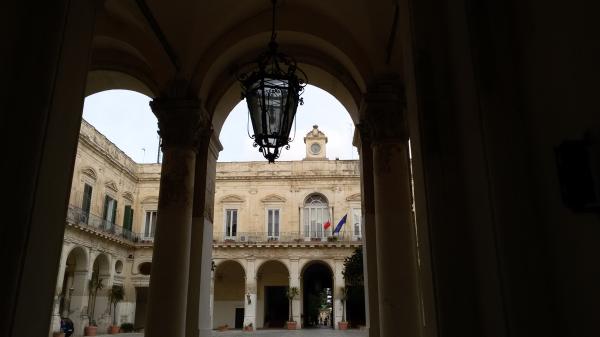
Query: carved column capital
383	113
182	122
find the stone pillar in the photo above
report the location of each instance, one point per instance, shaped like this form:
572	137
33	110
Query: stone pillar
45	61
250	297
399	310
295	282
363	142
178	121
338	283
198	255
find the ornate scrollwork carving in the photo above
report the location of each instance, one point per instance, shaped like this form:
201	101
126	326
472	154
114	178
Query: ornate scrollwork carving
383	117
182	122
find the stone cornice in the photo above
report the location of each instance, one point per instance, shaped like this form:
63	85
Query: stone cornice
103	147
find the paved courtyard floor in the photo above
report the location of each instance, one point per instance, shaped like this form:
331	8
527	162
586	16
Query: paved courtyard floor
274	333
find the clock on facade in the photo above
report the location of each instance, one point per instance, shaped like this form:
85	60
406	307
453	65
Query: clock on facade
315	148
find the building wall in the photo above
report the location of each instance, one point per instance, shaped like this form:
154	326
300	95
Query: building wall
249	187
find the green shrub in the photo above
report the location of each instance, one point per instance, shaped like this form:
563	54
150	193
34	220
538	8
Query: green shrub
127	327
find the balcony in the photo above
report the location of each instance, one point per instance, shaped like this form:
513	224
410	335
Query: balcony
79	217
285	238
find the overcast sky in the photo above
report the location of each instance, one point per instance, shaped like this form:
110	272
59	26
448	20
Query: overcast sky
125	118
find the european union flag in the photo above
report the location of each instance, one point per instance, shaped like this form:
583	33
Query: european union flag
340	224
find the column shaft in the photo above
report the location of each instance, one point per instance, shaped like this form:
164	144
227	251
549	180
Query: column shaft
396	246
250	297
198	267
397	270
369	234
167	301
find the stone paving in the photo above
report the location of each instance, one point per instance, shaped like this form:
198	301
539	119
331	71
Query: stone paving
273	333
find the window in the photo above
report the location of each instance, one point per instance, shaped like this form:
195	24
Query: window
110	210
273	223
150	224
315	213
86	204
356	223
128	218
231	222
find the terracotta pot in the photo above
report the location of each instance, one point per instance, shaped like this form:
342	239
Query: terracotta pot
291	325
58	334
248	328
343	325
114	329
90	330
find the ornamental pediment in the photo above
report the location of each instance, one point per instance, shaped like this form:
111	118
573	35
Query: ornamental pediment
273	198
353	197
150	200
128	196
90	172
111	185
232	198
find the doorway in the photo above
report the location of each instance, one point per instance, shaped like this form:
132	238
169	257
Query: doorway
317	285
276	307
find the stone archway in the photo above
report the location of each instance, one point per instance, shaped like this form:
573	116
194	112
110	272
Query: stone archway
272	310
98	304
74	288
229	290
317	295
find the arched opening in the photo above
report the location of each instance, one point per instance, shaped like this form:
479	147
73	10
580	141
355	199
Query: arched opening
315	215
73	286
272	282
229	295
98	287
317	295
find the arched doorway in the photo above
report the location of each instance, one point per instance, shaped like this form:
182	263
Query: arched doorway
73	287
273	306
317	295
228	308
98	288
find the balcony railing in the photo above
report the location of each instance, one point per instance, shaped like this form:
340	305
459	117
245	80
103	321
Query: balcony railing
78	216
285	237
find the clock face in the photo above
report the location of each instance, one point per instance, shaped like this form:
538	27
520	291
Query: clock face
315	148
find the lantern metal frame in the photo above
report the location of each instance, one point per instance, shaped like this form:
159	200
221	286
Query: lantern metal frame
272	92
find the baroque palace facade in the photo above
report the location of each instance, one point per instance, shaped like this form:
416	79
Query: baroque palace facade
268	234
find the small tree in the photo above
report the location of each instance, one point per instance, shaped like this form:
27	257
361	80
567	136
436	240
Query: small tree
94	284
116	295
291	294
353	269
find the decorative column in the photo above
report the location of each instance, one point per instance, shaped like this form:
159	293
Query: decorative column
338	283
369	248
250	297
199	257
178	121
295	282
383	111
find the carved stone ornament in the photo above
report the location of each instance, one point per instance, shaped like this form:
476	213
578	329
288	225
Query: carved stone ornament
181	122
383	113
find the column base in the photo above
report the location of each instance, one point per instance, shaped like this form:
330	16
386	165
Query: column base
205	332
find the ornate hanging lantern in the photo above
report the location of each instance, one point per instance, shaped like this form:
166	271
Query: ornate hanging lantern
272	91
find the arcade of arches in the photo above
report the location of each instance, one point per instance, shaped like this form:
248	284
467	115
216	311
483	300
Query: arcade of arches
486	90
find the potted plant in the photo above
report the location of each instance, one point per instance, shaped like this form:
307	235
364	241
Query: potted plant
291	294
116	295
248	327
343	325
94	284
